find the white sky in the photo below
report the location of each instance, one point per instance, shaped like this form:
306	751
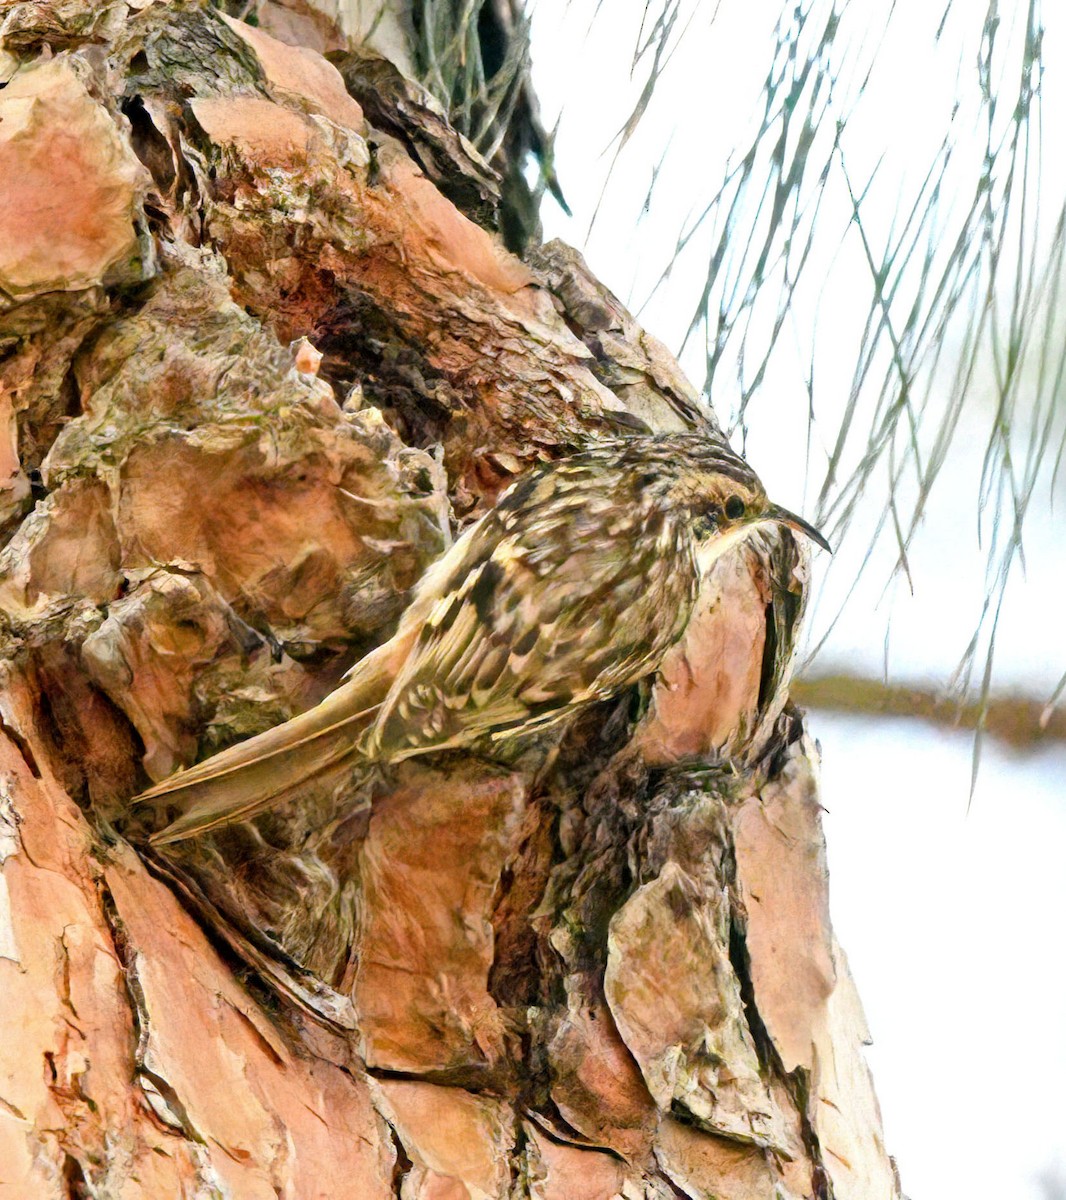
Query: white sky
953	927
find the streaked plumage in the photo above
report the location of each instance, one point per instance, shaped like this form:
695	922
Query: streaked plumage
571	589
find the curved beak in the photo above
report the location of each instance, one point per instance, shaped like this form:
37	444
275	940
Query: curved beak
783	517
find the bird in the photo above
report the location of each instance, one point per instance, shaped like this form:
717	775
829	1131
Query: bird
571	589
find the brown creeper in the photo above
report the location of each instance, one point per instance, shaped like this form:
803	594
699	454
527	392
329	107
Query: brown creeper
571	589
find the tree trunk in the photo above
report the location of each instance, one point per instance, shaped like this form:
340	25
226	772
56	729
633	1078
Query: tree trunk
259	357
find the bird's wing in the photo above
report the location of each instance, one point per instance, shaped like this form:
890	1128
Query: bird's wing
567	605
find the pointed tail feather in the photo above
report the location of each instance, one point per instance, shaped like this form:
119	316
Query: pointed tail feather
331	715
253	775
258	785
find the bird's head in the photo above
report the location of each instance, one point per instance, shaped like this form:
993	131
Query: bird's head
726	501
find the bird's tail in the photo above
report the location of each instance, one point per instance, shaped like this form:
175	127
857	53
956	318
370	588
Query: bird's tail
254	775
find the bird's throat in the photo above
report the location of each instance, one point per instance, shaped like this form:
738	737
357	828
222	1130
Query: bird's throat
710	549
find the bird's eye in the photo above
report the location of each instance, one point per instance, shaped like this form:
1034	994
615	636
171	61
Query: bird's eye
734	508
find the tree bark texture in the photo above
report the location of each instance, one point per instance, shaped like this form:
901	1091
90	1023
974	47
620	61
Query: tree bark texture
259	359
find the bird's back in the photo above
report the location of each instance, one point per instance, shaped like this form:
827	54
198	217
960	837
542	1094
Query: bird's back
571	588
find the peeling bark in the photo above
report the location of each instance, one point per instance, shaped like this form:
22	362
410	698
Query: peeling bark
257	366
